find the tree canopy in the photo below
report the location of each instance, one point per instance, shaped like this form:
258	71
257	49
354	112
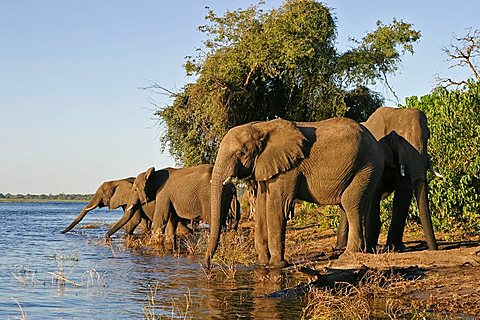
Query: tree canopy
257	65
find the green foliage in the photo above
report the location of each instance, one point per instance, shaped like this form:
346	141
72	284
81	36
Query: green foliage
257	65
326	217
454	122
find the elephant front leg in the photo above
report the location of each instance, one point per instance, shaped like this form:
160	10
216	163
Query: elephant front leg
261	236
401	204
276	228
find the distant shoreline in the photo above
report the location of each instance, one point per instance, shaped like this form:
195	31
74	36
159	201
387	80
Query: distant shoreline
62	197
42	200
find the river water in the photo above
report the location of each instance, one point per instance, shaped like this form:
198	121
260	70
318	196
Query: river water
111	282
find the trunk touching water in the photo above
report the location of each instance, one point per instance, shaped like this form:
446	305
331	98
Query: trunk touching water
89	207
219	175
420	188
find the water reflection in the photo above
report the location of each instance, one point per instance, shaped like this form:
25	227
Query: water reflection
126	283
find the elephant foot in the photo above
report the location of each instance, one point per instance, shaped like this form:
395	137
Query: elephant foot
277	264
396	247
263	259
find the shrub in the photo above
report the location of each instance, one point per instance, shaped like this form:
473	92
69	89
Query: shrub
454	122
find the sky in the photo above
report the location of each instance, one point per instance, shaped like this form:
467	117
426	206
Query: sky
72	111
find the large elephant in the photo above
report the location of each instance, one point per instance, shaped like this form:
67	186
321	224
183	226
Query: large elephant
336	161
114	194
179	194
402	135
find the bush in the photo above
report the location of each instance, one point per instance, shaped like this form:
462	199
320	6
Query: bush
454	122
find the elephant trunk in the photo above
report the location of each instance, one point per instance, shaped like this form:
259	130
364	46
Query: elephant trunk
421	194
89	207
220	176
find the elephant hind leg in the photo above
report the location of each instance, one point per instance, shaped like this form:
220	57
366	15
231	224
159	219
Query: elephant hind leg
356	201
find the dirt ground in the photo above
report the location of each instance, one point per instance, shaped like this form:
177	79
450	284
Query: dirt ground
447	280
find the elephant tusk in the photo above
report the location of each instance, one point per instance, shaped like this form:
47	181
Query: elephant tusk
227	180
89	208
402	170
436	173
130	208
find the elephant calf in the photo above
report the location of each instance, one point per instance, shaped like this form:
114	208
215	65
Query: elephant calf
178	193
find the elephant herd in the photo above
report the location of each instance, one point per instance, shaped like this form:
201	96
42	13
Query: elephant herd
332	162
163	200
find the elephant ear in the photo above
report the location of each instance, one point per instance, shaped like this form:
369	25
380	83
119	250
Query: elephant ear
283	148
119	197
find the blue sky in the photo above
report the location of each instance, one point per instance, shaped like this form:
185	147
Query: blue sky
71	111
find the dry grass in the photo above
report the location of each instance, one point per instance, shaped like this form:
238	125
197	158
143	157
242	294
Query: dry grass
376	296
153	312
23	313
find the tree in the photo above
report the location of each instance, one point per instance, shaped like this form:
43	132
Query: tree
454	122
258	65
463	52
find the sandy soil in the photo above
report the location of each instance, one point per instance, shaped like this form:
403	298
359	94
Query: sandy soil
446	280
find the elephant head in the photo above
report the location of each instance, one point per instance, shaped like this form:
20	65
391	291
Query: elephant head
258	150
111	194
140	189
143	190
403	136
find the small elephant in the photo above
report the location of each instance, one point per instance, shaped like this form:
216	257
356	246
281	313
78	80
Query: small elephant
179	194
114	194
403	135
336	161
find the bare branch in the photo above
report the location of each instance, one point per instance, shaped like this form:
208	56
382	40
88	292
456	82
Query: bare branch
462	52
155	87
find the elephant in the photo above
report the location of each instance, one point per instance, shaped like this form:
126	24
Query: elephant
114	194
179	194
335	161
403	135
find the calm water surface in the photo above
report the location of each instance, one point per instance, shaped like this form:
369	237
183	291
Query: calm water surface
116	283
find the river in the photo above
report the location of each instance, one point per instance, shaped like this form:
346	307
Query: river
114	282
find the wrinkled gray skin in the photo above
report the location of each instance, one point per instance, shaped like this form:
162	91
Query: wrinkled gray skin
179	194
114	194
402	135
336	161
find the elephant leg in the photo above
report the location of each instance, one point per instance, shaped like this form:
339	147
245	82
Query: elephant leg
261	235
401	204
276	227
145	225
373	224
356	201
170	232
342	231
182	228
161	214
133	223
280	198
